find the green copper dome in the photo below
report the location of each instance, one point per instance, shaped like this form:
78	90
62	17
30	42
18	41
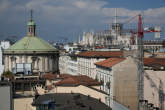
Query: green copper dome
31	44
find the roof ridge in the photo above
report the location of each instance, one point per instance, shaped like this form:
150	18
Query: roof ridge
109	62
45	43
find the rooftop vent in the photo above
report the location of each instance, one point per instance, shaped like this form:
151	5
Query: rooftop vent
88	96
99	99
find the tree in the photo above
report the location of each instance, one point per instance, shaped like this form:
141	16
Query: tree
8	74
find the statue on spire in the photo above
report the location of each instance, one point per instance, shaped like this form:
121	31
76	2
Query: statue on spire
115	16
31	15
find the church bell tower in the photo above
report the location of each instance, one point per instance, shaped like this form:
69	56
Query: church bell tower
31	26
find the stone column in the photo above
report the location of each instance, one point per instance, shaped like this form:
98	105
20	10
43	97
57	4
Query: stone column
48	61
24	59
40	64
46	64
12	58
43	64
37	63
10	63
34	58
53	64
50	64
6	63
14	61
20	59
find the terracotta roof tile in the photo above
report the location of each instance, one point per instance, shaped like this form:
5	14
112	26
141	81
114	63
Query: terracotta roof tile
154	61
147	62
49	76
104	54
52	76
78	80
109	62
65	75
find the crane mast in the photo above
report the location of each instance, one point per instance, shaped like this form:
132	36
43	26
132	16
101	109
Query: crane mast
141	32
140	61
140	54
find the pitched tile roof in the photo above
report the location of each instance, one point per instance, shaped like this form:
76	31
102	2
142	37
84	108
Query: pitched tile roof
109	62
78	80
154	61
102	54
51	76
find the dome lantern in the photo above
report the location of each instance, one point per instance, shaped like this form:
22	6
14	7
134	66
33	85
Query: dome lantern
31	26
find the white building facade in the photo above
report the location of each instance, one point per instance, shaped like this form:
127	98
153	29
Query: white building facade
72	66
1	61
86	61
119	79
68	64
87	67
105	74
3	45
63	59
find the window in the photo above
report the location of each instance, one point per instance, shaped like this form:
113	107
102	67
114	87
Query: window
107	101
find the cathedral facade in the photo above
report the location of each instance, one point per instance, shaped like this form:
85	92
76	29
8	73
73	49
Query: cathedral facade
112	37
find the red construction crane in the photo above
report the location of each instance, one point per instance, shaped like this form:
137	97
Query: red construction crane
140	36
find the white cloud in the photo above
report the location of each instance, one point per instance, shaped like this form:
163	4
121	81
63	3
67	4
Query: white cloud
59	9
90	4
79	12
80	4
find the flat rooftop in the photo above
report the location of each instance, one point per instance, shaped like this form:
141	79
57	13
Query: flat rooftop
72	101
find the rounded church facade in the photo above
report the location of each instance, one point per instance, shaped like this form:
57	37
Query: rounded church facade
31	54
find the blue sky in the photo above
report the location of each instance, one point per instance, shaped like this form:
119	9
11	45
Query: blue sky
59	20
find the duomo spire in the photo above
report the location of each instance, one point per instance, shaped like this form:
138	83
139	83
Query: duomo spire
115	16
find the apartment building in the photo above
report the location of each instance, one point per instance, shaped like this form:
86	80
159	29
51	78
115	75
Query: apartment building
104	71
86	61
119	79
72	66
68	64
63	59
